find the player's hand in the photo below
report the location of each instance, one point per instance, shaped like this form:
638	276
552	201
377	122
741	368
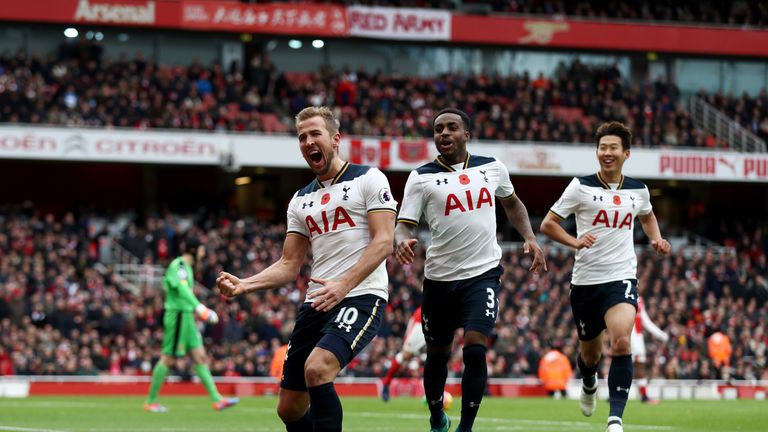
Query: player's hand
207	315
665	338
539	262
229	285
661	246
586	241
404	251
332	292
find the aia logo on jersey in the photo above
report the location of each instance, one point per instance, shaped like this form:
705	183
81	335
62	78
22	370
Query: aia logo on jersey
617	200
464	179
467	202
339	217
603	219
324	200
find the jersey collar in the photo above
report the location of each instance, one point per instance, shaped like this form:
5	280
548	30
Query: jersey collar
336	178
447	166
606	185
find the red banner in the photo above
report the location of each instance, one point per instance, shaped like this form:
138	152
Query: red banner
609	36
112	12
293	19
297	19
373	152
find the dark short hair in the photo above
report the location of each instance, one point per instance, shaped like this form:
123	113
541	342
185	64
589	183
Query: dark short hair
190	244
614	128
464	116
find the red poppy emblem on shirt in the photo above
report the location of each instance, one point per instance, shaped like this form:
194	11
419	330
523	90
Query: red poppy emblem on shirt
464	179
325	199
617	200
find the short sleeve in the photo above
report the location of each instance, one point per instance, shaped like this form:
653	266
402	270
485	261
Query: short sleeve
646	206
376	193
295	224
413	200
568	202
505	188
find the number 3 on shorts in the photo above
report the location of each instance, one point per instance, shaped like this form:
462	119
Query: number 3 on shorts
628	292
491	298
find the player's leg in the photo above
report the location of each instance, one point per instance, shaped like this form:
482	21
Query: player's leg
588	361
439	323
319	372
400	359
349	327
293	409
474	379
200	359
293	403
479	308
159	372
171	344
413	344
619	320
638	359
588	318
435	375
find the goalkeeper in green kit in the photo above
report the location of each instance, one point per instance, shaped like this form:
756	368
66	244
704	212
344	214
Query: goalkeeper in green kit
180	335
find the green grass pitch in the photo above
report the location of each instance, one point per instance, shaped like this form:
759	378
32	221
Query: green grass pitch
190	414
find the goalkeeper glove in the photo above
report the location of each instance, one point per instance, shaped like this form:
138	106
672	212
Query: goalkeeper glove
207	315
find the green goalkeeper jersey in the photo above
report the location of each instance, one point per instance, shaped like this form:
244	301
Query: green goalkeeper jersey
177	283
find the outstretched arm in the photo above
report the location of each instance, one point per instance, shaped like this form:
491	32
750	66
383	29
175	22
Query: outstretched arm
278	274
518	216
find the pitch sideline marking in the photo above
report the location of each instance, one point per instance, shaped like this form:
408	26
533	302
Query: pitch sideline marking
23	429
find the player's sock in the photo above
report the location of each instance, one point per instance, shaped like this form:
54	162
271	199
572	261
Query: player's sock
303	424
204	374
393	368
472	384
619	382
158	377
435	374
325	408
642	384
588	377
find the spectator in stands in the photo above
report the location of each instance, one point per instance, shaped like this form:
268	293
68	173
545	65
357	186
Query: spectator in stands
554	372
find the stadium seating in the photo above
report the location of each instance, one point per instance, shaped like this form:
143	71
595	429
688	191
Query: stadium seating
563	108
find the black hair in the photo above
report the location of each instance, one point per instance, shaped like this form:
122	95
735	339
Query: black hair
190	244
614	128
464	116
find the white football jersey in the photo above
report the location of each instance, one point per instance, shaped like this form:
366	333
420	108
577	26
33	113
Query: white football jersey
459	205
608	214
333	215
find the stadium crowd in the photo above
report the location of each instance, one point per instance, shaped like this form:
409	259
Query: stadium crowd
81	87
63	312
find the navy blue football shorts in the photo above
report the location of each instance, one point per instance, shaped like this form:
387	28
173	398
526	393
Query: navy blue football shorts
344	330
590	302
471	304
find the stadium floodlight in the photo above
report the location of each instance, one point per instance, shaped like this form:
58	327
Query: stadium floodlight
123	37
99	36
71	32
318	43
242	181
295	43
